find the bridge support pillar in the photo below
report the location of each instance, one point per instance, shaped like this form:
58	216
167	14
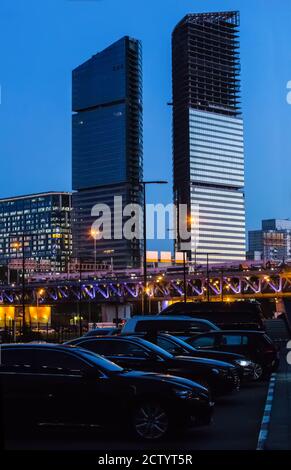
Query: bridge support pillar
280	307
109	312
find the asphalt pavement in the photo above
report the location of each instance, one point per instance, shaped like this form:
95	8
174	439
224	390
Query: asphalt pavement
236	426
279	428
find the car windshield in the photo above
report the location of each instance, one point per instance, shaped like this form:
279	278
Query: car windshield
161	352
99	361
183	344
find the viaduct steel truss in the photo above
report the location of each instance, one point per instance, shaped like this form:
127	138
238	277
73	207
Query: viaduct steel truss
221	286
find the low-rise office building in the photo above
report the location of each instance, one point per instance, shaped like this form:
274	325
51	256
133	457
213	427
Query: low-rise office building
38	227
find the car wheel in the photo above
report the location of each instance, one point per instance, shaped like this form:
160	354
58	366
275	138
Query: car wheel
151	421
258	372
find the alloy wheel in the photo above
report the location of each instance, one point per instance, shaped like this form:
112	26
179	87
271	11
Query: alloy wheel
151	421
258	371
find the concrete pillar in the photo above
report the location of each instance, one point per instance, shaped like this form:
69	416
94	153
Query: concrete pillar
280	307
108	312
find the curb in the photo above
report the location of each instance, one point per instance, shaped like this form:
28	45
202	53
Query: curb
263	435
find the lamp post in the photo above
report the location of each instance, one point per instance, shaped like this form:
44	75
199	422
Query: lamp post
110	252
23	287
143	184
184	273
94	233
207	274
17	245
38	294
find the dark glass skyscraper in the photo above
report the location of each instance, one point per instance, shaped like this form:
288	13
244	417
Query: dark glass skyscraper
208	134
107	144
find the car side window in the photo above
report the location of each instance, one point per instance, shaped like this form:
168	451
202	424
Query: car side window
245	340
58	362
16	360
128	349
204	341
169	346
231	340
203	326
104	348
115	348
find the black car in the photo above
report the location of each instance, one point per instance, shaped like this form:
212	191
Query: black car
52	384
178	347
103	331
175	325
254	345
225	315
139	354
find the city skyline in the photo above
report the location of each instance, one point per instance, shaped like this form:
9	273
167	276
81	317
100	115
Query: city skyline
262	92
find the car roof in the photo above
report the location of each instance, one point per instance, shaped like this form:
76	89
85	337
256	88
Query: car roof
64	347
106	337
167	318
105	328
240	332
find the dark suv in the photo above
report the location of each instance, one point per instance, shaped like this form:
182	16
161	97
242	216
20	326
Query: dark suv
240	315
255	345
175	325
51	384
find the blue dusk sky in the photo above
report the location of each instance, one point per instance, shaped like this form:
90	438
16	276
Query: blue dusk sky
43	40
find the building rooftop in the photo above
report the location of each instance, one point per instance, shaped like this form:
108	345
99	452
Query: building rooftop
29	196
231	17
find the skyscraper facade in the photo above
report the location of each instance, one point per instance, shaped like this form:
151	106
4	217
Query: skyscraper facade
208	144
272	242
42	223
107	146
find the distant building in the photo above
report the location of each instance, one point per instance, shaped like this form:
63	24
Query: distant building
107	153
208	137
43	222
272	242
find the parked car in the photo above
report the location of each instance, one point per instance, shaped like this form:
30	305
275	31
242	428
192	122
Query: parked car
57	384
178	347
254	345
139	354
226	315
103	331
175	325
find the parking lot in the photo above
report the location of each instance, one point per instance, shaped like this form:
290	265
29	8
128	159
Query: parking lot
235	426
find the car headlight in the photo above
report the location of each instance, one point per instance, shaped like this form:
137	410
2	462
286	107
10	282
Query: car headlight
182	393
243	363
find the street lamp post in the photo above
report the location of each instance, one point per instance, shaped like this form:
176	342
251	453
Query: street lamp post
207	274
38	294
94	234
110	252
23	287
184	274
144	184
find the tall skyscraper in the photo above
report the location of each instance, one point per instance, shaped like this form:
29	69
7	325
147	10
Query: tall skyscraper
107	146
208	143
